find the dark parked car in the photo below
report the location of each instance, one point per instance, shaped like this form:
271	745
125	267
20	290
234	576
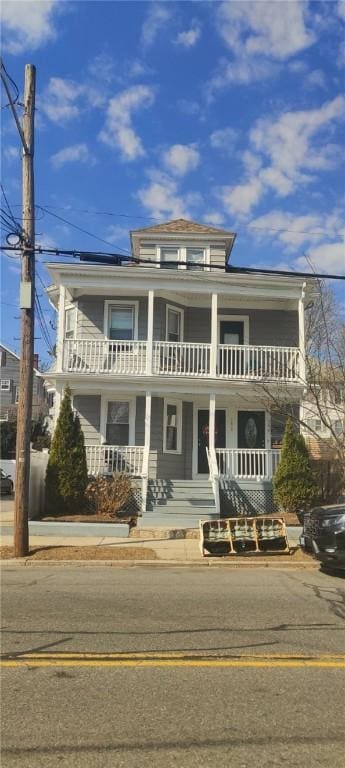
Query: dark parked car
327	534
6	484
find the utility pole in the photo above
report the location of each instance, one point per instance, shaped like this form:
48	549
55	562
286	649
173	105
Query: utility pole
27	306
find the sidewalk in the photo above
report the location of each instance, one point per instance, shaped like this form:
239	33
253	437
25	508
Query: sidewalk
151	550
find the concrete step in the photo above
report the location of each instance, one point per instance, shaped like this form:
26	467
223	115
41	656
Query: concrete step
184	503
163	532
181	493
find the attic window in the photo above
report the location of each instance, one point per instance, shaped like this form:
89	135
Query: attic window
169	255
195	258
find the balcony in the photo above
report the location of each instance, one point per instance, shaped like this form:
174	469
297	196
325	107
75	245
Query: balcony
247	464
131	358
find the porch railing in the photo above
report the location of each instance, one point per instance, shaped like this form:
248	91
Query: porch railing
181	358
105	459
254	363
214	476
118	357
247	464
258	362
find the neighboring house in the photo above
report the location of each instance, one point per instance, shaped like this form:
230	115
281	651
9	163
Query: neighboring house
166	361
9	386
322	422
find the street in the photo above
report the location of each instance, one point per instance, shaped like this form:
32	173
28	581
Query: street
171	667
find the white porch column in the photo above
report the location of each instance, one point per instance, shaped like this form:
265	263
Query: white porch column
146	457
149	348
60	328
57	402
212	422
301	344
148	401
214	336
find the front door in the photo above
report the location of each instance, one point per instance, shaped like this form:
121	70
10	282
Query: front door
251	438
203	436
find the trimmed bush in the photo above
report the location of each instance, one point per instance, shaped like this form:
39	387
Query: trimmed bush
108	495
294	483
66	477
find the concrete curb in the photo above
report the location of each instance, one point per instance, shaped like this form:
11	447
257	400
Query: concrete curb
205	563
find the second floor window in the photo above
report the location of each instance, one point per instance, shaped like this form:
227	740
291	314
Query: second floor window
5	385
70	316
174	324
121	323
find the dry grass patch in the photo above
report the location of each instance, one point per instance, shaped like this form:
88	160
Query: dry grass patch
84	553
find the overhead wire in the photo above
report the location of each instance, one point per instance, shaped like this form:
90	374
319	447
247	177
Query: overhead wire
80	229
15	99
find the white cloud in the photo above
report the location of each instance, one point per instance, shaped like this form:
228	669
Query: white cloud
102	67
240	199
11	153
77	153
161	197
316	79
285	153
27	25
214	218
158	16
181	158
320	235
115	232
266	28
328	257
341	9
224	139
118	131
59	101
190	37
260	35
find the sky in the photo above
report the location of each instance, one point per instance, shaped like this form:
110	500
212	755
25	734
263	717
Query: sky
230	113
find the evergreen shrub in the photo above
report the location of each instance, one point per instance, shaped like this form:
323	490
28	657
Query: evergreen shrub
294	483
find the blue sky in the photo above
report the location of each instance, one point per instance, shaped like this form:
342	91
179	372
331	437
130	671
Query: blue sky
231	113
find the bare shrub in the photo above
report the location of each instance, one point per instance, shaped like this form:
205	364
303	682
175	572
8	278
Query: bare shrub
108	495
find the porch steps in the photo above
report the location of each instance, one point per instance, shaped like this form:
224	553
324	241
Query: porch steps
178	503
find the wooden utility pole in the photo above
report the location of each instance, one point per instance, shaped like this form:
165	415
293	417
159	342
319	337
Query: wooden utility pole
27	306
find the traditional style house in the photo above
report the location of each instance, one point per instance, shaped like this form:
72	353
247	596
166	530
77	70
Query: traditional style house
169	361
9	387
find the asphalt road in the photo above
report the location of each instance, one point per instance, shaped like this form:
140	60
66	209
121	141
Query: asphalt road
172	667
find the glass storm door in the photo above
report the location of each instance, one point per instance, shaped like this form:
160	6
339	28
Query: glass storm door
251	437
203	437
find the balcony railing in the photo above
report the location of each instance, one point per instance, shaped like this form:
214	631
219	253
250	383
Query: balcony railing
258	362
130	358
247	464
181	358
105	459
114	357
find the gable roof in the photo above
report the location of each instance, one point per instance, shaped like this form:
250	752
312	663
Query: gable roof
10	351
183	225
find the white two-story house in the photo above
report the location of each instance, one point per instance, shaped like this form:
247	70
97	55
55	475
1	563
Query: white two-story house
169	360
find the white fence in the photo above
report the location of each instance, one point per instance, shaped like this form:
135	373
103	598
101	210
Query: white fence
258	363
116	357
105	459
247	464
130	358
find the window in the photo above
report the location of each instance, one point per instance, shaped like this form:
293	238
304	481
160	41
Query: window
70	317
4	416
174	324
5	385
16	395
172	427
195	258
3	358
117	427
338	427
121	322
169	255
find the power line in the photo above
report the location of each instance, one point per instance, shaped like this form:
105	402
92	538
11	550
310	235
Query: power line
80	229
116	259
242	228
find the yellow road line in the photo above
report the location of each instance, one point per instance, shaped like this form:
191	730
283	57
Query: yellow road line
211	663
